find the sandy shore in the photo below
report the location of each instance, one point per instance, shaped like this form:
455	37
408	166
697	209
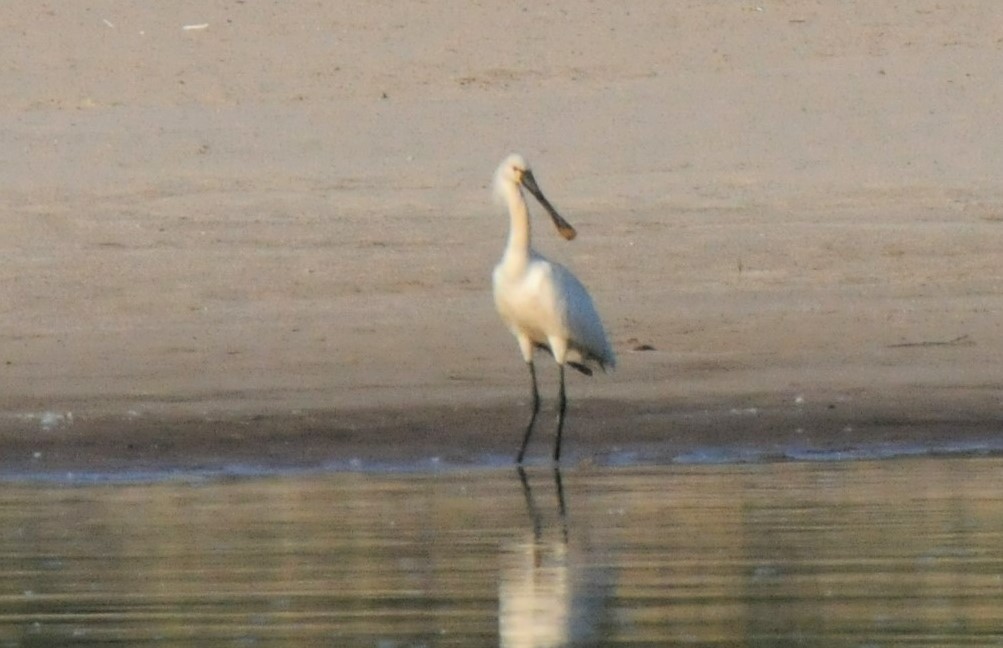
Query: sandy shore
238	217
599	432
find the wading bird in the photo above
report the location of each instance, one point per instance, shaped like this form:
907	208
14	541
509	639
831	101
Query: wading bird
541	302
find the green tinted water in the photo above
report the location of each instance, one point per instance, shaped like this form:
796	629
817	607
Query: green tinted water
897	552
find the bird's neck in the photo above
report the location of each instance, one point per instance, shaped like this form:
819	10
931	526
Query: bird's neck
517	248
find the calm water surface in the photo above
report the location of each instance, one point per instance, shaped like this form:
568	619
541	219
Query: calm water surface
861	553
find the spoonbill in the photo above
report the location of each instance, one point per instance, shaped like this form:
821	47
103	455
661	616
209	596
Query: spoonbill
543	304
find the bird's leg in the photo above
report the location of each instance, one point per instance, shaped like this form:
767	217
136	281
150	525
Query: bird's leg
532	417
562	405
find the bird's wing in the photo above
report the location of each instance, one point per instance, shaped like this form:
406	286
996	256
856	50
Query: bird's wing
585	328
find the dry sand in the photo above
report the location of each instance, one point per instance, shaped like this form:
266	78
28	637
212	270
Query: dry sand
281	219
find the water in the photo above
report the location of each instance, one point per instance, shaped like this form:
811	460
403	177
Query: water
856	553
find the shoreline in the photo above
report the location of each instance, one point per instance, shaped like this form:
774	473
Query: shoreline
751	429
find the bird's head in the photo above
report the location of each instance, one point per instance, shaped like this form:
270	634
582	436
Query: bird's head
512	169
515	172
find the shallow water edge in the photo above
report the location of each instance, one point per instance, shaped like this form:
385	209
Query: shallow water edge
99	448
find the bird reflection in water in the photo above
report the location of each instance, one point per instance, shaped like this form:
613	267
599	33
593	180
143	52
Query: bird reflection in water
551	593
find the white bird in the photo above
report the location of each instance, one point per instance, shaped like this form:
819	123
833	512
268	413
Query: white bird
542	302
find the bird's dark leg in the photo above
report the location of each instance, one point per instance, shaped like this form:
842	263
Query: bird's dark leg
532	417
562	405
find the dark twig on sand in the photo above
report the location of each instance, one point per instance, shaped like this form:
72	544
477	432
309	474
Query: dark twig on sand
961	340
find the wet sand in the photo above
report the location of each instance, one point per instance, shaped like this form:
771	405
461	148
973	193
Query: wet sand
432	439
270	238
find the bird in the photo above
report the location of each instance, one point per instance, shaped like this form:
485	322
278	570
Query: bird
541	302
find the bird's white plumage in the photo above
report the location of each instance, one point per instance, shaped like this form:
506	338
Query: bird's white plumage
542	302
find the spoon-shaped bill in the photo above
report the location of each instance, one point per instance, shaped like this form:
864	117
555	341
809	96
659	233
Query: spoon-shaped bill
563	226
